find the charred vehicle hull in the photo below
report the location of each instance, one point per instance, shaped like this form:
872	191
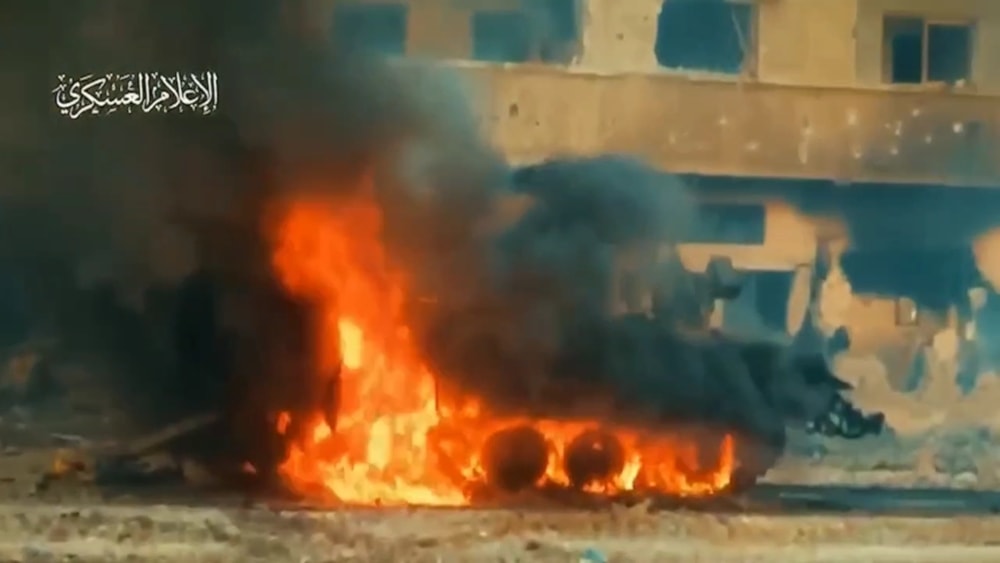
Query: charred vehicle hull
663	367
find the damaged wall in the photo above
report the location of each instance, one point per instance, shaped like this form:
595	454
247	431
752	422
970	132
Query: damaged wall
789	246
715	126
807	42
791	41
619	35
788	122
789	241
814	42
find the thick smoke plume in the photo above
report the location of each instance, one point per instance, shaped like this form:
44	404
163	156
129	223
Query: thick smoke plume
145	240
511	261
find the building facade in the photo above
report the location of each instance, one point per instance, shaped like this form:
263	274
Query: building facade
863	134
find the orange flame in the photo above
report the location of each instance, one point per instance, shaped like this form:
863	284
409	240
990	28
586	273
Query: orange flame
393	443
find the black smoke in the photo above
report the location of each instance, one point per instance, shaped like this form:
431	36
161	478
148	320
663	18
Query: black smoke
144	246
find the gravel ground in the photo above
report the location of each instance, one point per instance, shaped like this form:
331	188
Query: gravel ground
31	532
74	523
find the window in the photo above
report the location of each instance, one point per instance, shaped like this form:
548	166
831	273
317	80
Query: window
377	28
561	19
710	36
916	50
502	36
540	30
949	52
730	224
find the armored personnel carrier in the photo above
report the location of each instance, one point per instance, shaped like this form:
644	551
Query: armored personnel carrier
656	353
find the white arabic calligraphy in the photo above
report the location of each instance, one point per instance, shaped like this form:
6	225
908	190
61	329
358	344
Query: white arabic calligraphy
145	92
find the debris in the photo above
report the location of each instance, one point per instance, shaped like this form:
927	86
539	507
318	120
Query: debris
162	438
195	473
145	460
142	461
132	471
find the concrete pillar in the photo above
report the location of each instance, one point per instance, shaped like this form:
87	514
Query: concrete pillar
619	35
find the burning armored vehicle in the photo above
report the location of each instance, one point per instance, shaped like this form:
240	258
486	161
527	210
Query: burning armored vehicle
535	381
384	311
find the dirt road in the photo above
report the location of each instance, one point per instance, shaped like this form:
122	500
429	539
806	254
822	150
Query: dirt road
32	532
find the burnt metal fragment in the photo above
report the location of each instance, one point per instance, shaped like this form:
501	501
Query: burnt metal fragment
844	420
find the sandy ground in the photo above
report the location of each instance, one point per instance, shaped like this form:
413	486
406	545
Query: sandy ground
81	526
159	533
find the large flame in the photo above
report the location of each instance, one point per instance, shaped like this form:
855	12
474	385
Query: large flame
393	443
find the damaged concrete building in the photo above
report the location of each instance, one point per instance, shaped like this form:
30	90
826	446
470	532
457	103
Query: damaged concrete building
843	150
